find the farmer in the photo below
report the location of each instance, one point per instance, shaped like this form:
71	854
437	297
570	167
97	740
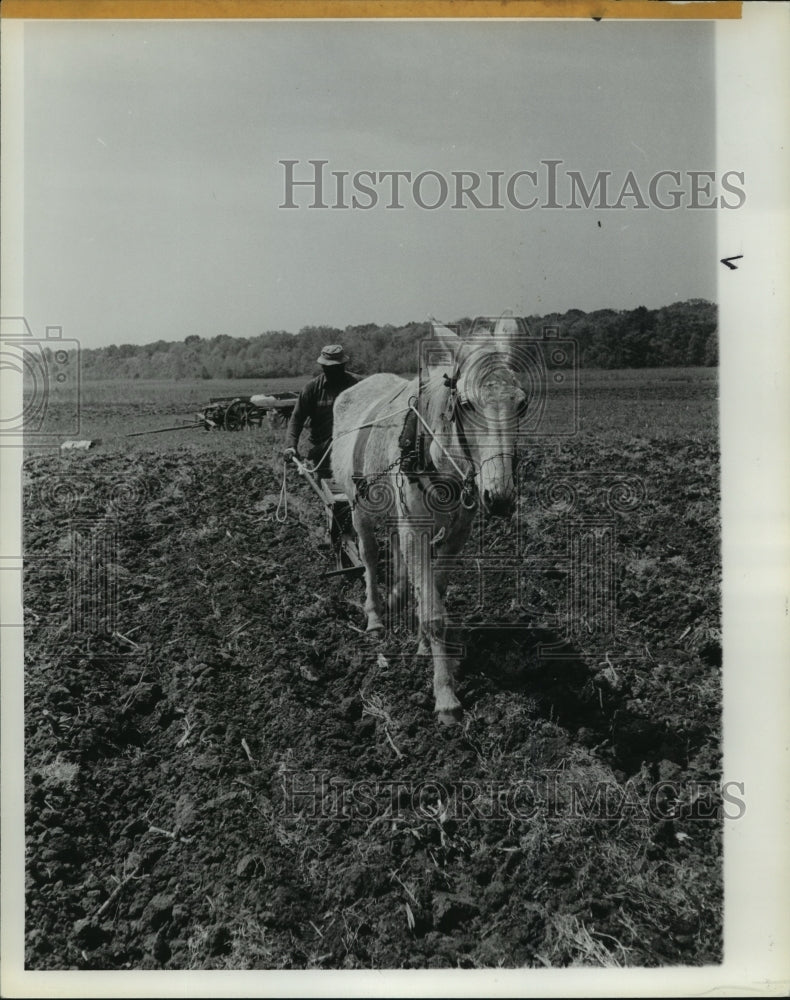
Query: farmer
315	402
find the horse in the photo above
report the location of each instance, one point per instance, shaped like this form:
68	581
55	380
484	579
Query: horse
425	455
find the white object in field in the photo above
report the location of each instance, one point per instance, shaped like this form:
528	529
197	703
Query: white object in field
271	402
78	445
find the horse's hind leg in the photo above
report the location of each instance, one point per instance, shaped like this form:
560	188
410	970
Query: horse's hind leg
369	550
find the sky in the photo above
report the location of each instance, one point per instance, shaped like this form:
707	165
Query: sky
153	181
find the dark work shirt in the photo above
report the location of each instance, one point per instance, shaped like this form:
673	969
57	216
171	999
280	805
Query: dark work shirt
316	401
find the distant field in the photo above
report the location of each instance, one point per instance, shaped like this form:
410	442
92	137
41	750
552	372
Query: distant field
650	402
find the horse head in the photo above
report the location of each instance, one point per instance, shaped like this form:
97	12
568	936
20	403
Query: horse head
481	403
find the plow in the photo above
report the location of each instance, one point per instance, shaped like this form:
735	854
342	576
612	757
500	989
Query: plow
339	528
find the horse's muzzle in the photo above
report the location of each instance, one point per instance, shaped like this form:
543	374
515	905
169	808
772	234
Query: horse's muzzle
499	506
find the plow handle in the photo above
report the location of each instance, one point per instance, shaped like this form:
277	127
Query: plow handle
307	474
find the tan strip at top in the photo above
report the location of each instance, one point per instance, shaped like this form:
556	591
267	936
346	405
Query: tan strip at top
341	9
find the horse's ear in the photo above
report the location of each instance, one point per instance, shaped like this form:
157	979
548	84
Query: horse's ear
506	331
439	353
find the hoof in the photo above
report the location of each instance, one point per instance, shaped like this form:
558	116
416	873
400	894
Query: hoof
451	718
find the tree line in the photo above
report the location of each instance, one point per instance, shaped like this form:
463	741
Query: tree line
682	334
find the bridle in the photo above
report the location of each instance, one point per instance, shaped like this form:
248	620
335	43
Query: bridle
457	405
450	414
454	414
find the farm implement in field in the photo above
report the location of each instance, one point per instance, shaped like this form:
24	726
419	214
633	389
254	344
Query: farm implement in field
340	529
223	413
236	413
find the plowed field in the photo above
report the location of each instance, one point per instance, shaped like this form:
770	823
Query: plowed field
223	772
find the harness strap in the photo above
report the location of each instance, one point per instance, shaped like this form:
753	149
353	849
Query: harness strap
359	451
460	430
468	480
361	442
445	452
414	475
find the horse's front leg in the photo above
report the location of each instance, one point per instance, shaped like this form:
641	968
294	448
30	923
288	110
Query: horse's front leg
398	596
369	550
415	546
446	704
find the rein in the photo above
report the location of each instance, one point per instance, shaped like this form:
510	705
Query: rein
468	479
442	448
468	488
455	416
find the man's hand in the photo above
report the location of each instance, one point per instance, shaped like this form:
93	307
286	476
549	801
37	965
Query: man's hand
290	453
